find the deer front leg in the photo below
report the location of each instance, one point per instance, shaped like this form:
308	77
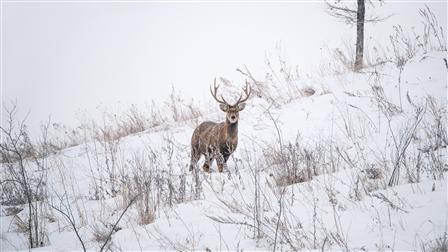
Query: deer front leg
221	160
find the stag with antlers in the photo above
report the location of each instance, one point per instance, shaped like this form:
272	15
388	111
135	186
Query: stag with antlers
218	140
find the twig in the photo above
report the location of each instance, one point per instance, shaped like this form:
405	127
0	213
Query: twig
116	223
72	223
279	216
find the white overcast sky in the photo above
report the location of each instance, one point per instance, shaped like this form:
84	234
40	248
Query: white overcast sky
63	57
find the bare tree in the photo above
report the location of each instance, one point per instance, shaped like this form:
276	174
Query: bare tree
18	185
360	17
354	15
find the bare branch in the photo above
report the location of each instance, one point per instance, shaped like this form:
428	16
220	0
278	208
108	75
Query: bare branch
119	219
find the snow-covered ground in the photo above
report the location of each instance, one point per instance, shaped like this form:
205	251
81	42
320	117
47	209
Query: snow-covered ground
342	142
338	161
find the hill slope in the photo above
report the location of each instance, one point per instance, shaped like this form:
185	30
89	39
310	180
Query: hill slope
312	173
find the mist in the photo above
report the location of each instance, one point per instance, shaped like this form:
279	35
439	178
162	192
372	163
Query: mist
66	59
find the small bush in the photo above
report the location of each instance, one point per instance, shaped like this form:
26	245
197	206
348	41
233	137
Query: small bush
437	245
294	163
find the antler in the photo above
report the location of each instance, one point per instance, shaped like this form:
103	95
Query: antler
214	91
247	90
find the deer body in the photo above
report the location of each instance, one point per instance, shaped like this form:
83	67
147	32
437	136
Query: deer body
217	141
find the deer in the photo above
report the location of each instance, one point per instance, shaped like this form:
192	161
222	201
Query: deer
217	141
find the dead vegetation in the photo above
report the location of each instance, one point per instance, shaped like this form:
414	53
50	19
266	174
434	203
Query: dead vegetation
148	183
437	245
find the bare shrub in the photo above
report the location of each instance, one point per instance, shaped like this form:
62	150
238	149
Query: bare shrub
19	185
367	181
436	140
342	58
432	30
402	142
405	45
181	110
155	182
265	212
134	122
140	181
113	125
12	210
101	233
62	136
295	163
292	162
104	164
65	209
383	102
437	245
435	127
281	82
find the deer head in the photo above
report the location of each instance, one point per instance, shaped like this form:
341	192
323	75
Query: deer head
231	111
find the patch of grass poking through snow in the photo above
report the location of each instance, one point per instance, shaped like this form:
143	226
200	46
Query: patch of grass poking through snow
293	163
437	245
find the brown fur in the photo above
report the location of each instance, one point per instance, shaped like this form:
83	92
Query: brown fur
214	141
218	140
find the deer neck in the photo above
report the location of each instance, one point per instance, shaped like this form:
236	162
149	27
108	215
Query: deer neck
231	129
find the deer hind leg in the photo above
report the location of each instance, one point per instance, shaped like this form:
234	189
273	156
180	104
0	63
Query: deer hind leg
208	162
195	156
221	167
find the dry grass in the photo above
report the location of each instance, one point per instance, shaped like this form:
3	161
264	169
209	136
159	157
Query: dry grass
437	245
293	163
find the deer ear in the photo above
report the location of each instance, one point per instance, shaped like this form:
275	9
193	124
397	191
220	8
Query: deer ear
241	106
223	107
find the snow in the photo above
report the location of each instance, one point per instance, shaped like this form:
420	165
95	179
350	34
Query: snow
343	113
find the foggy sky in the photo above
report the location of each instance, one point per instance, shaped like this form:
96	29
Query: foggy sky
63	57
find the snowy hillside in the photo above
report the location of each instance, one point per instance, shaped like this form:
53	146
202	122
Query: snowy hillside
351	158
358	165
